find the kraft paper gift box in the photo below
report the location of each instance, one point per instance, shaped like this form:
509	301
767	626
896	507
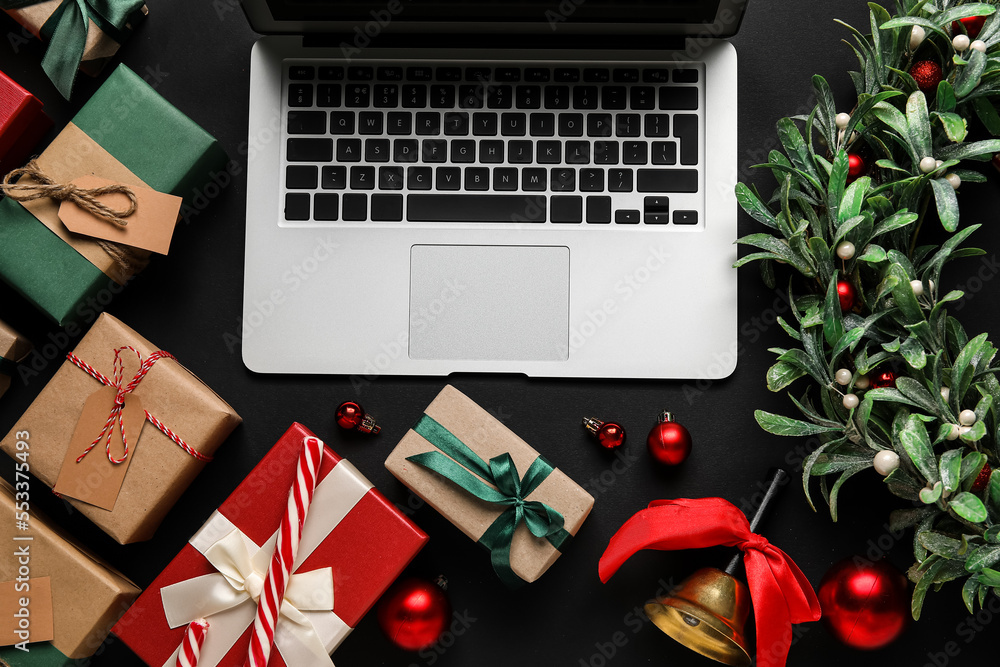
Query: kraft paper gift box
22	124
125	133
80	35
157	468
13	348
462	441
73	598
351	532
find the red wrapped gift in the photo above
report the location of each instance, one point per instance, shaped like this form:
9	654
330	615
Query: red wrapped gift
352	534
22	124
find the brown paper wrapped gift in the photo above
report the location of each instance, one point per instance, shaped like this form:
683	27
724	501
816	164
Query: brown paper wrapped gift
13	348
158	469
88	595
530	556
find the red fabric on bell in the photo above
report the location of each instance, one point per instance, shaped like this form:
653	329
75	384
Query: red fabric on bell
22	124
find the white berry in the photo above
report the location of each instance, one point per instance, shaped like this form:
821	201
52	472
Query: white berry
954	180
917	35
886	461
851	401
979	45
945	393
953	433
928	164
845	250
862	382
843	376
961	42
967	418
938	163
843	120
917	287
962	430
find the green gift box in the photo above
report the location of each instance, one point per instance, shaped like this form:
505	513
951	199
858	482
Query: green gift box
127	133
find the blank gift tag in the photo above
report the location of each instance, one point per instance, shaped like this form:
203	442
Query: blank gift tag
95	479
150	227
25	607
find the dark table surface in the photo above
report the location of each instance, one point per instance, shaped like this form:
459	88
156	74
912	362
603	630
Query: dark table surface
196	53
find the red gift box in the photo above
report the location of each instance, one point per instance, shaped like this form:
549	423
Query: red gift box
366	551
22	124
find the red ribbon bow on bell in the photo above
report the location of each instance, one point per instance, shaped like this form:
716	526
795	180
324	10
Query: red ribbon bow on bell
780	592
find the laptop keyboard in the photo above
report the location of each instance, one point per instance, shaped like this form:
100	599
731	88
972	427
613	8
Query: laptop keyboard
541	143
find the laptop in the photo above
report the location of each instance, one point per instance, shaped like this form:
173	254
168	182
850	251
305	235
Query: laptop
510	186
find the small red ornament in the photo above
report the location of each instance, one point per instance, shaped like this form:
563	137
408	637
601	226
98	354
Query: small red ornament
927	74
973	24
352	416
845	290
668	442
415	612
866	605
883	380
982	479
610	435
855	165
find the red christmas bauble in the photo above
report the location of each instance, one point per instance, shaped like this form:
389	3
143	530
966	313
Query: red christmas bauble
973	24
927	74
669	442
349	415
845	290
982	479
611	435
414	613
855	165
883	380
866	606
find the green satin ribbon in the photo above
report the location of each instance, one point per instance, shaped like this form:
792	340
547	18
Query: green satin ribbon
454	462
66	33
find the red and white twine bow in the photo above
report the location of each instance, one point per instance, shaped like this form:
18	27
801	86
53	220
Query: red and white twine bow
123	391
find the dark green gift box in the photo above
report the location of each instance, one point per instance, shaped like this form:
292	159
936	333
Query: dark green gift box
161	146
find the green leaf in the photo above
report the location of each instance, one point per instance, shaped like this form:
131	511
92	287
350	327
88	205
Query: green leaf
965	11
873	254
902	293
865	105
945	96
939	544
994	490
913	351
969	75
833	316
969	593
947	203
918	124
963	370
954	126
969	507
778	249
917	445
838	181
749	202
950	467
826	110
986	147
902	484
916	392
983	557
854	197
933	494
807	466
988	115
975	433
780	425
844	476
896	221
848	340
971	465
795	147
783	374
920	590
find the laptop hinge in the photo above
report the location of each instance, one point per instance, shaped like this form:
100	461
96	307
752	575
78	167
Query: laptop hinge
353	45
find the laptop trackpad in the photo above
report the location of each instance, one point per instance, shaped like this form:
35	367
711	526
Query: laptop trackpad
502	303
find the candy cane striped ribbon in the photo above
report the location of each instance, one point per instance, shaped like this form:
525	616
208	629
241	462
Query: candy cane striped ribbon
299	498
194	637
116	412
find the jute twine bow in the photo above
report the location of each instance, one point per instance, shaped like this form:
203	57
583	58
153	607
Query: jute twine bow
85	198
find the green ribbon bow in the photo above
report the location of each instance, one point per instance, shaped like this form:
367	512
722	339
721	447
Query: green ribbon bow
454	462
66	33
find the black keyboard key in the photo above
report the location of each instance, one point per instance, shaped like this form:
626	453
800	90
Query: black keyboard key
678	99
370	122
627	216
664	152
377	150
563	180
567	75
484	124
300	95
628	125
355	207
419	73
429	122
442	97
463	150
334	73
434	150
301	177
667	180
386	96
414	96
599	125
566	208
657	125
325	205
686	130
309	150
387	208
542	124
389	73
513	124
570	125
334	178
362	178
348	150
328	95
357	95
306	122
418	178
519	152
655	75
685	76
557	97
297	206
504	178
656	210
360	73
500	97
405	150
341	122
449	73
578	152
635	152
537	74
533	179
477	178
491	152
448	178
399	122
456	123
596	75
507	74
477	73
471	97
642	97
474	208
685	217
549	152
614	97
301	72
591	180
528	97
599	210
585	97
605	152
626	75
620	180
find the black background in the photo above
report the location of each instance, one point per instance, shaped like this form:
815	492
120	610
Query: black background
196	53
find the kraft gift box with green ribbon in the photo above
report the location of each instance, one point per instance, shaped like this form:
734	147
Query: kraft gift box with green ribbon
126	133
492	485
